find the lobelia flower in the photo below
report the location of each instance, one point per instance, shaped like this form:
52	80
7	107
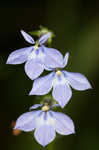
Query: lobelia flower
45	123
61	81
36	56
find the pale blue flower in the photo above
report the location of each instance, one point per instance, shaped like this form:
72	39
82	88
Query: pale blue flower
45	123
61	81
36	56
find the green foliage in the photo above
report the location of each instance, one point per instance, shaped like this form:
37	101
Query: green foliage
42	31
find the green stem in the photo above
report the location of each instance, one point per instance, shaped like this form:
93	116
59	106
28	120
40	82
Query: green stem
50	146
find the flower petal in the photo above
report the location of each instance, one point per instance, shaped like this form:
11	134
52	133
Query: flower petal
44	38
65	60
61	92
48	69
19	56
38	55
35	106
33	69
26	122
55	105
63	124
53	59
78	81
27	37
44	134
42	85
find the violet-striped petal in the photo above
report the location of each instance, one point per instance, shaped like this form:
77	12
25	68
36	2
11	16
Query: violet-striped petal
19	56
38	55
35	106
44	38
53	59
65	61
45	118
33	69
42	85
44	134
61	92
55	105
63	124
26	122
27	37
78	81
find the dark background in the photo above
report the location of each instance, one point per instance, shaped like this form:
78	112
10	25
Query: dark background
76	26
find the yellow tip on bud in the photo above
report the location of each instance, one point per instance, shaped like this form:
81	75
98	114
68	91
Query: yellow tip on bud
58	72
45	108
35	47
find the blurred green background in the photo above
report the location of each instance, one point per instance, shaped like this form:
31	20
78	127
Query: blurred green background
76	26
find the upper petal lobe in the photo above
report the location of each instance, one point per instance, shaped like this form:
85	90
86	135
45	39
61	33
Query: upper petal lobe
65	61
35	106
44	38
27	37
